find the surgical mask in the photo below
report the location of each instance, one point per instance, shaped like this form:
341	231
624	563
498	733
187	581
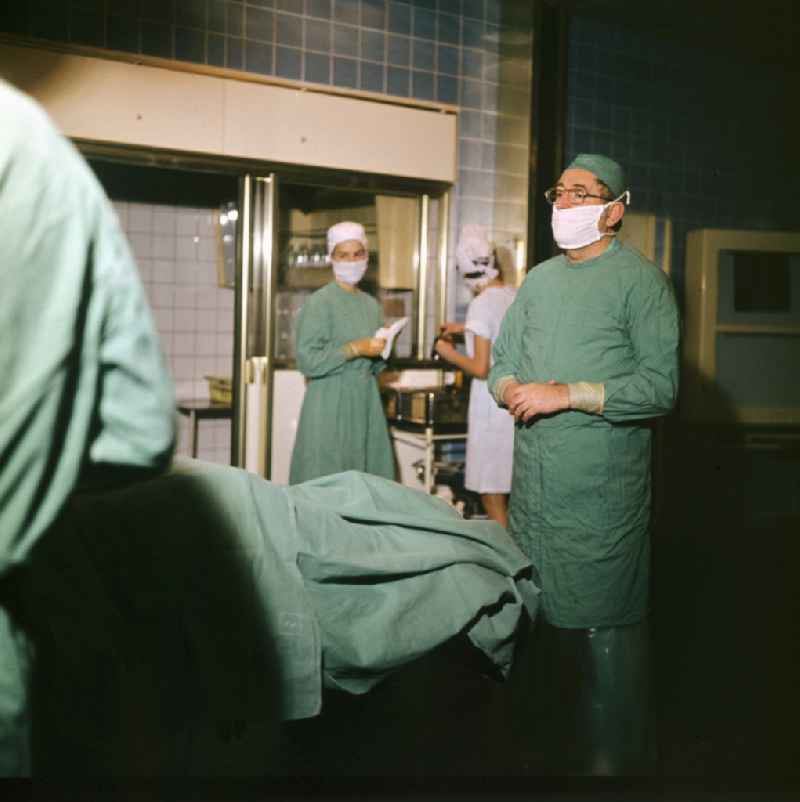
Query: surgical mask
482	275
576	226
349	272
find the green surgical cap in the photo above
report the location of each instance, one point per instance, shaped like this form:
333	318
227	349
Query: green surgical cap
607	170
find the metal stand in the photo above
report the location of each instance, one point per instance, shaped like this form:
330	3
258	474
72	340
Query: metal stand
426	440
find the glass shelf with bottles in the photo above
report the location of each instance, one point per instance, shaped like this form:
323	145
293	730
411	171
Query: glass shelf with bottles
306	254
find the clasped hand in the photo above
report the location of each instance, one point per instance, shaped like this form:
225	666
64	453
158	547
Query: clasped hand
525	401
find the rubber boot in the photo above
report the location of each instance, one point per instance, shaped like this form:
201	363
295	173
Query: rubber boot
600	717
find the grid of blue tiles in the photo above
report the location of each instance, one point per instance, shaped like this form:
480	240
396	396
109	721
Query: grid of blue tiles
441	50
451	51
688	125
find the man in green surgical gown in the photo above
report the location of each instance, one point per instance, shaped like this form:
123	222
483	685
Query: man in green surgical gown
84	392
587	356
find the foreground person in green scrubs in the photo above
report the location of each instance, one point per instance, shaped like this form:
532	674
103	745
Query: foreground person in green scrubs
587	355
342	423
84	394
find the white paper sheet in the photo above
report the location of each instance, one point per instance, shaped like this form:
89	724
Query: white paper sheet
389	333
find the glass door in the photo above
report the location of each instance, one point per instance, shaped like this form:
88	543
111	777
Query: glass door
253	337
397	230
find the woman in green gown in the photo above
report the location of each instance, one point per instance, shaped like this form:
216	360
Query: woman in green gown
342	423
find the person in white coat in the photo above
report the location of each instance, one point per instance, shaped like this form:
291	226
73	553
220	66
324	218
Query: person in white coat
490	433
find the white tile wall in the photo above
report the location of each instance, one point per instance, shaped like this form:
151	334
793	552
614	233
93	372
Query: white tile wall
176	250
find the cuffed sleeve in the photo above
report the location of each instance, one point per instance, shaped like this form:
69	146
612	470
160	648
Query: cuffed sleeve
500	387
586	396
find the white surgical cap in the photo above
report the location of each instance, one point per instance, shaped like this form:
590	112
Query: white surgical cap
473	244
342	232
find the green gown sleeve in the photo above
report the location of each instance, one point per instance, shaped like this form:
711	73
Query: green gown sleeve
82	377
317	353
505	351
377	364
654	332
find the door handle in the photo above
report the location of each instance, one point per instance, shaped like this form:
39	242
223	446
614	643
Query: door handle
256	370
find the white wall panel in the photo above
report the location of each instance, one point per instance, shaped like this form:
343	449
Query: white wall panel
124	102
301	127
112	101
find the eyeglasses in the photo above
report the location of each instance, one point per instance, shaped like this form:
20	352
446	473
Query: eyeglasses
576	195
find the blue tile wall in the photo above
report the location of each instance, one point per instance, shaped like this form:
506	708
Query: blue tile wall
345	72
397	81
345	40
258	57
248	21
318	35
423	55
347	11
697	132
289	30
215	49
399	51
259	25
289	63
448	28
422	85
317	68
234	58
424	24
157	39
217	13
190	45
447	59
450	43
191	13
447	89
431	50
372	77
373	14
399	17
319	8
373	45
